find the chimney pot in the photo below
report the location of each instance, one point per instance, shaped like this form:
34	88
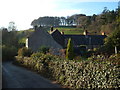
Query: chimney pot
85	32
51	29
62	33
103	33
35	27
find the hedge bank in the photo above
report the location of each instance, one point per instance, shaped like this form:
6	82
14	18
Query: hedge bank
96	72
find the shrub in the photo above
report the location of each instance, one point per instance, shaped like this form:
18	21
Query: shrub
105	49
44	49
69	51
41	57
24	52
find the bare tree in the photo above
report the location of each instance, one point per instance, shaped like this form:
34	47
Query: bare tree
12	26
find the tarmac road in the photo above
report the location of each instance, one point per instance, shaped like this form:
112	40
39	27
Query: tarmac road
19	77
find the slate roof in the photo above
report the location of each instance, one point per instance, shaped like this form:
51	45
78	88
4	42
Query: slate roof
87	39
58	37
78	39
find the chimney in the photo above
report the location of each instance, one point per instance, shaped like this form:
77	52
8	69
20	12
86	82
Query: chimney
62	33
51	29
35	27
103	33
85	32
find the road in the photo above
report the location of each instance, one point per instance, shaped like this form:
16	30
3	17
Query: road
19	77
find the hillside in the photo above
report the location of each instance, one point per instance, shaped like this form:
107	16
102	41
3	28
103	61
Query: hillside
70	30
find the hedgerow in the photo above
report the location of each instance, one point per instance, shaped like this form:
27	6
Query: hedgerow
93	73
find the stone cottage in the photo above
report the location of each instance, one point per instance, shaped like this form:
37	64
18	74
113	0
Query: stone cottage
90	41
57	40
39	38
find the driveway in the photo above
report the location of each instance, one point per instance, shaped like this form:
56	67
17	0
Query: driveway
19	77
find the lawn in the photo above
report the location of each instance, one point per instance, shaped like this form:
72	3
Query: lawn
66	30
70	30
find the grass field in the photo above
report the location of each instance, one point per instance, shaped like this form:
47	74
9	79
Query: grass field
70	30
66	30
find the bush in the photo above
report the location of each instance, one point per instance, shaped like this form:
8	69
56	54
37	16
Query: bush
106	49
44	49
24	52
41	57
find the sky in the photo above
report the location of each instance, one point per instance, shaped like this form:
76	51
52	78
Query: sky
23	12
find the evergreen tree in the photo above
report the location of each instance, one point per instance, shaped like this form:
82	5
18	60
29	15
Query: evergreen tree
69	51
114	40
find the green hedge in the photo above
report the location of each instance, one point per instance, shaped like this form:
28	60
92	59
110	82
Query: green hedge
93	73
44	49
